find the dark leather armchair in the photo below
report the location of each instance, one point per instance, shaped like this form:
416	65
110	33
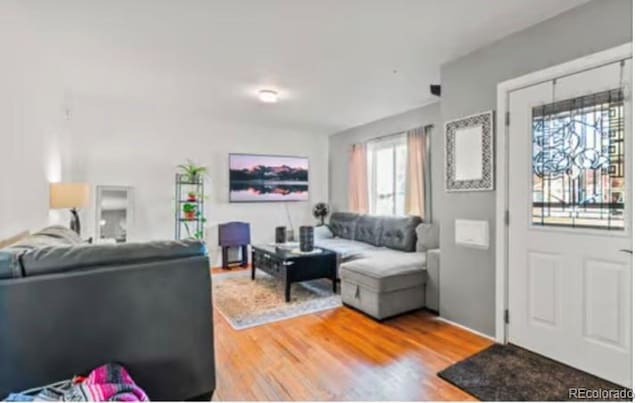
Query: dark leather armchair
66	309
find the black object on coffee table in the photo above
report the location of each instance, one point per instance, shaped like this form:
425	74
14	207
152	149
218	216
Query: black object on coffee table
289	267
306	238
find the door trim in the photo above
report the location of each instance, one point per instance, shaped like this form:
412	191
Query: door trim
504	88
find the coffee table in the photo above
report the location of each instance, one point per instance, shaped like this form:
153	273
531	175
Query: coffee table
289	267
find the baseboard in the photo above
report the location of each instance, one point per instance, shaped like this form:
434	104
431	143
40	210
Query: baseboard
433	311
468	329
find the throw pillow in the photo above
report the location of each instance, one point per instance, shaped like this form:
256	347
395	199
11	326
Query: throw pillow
322	232
427	237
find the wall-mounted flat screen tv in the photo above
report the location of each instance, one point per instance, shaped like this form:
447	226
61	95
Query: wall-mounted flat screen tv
268	178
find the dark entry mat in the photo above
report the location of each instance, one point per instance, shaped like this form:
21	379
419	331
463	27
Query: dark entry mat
510	373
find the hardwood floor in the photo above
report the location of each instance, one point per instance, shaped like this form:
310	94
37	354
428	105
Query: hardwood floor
218	270
341	354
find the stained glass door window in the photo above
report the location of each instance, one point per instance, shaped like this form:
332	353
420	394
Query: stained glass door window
578	162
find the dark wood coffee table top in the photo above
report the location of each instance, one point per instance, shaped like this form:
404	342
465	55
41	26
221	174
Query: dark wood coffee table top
287	252
290	267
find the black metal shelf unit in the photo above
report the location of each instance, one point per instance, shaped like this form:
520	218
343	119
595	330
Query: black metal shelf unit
186	225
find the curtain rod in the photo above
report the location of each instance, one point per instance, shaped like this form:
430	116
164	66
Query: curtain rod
429	126
624	59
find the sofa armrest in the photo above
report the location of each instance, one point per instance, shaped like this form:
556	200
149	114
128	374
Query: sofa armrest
433	280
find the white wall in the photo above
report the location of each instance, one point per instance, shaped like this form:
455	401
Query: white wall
33	132
125	143
48	133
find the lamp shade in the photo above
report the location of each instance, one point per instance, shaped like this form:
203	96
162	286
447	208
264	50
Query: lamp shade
68	195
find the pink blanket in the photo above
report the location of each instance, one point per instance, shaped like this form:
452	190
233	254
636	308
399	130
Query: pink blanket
110	382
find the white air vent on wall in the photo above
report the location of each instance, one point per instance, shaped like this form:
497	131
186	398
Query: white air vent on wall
472	233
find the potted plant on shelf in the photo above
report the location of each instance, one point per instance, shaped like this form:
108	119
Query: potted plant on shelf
192	172
192	197
189	211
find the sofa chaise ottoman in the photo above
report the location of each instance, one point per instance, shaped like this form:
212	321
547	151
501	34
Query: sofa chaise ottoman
385	283
383	262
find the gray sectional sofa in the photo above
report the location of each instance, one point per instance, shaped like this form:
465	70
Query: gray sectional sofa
387	265
67	307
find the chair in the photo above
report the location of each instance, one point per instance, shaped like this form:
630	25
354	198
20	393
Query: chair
234	235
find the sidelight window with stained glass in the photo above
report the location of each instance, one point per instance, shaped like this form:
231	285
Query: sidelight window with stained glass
578	162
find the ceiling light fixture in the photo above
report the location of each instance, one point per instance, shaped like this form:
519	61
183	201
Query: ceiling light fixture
268	96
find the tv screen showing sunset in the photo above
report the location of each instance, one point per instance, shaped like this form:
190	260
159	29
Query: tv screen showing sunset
268	178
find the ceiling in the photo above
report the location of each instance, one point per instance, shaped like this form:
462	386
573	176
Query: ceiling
336	63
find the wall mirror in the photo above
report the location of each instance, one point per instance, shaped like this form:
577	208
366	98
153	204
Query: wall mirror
469	153
114	206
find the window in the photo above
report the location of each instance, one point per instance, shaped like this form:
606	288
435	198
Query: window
387	161
578	162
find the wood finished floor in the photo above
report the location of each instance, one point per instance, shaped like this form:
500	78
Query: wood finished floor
341	354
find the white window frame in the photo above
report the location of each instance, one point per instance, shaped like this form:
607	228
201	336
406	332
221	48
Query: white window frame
392	142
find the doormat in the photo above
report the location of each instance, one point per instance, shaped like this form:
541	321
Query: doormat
510	373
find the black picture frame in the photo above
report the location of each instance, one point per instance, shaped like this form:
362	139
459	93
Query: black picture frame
308	183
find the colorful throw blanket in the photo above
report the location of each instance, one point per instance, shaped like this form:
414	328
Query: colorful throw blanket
110	382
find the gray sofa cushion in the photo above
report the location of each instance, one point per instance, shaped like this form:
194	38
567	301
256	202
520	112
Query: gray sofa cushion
343	225
428	237
10	263
346	249
400	232
63	233
369	229
322	232
56	259
56	235
386	270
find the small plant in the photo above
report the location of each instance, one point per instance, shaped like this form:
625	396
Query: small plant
320	211
192	196
191	171
189	210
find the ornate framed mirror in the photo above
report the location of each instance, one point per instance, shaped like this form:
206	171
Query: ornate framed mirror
469	153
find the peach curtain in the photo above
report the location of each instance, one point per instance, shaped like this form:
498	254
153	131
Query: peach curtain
358	183
416	181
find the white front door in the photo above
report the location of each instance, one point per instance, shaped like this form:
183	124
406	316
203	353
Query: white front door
569	242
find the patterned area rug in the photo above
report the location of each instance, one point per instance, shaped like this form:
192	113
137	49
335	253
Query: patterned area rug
510	373
246	303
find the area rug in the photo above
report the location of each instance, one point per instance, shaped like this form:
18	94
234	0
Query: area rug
246	303
509	373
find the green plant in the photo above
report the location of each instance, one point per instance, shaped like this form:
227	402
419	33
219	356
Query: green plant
191	170
189	208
